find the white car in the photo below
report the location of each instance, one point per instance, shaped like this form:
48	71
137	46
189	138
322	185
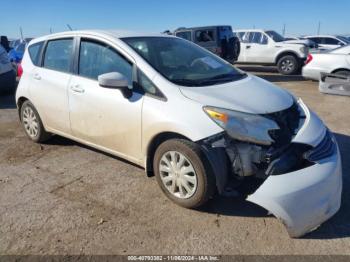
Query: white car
326	42
187	116
267	47
336	61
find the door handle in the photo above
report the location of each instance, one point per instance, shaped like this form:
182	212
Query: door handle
77	89
37	76
248	46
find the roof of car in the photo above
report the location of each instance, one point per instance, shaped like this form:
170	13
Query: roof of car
199	27
320	36
110	33
249	30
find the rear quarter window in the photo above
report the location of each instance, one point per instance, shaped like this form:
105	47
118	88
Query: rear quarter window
34	52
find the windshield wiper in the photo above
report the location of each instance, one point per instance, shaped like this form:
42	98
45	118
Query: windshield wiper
222	78
185	82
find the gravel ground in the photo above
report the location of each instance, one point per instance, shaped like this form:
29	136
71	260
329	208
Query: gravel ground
64	198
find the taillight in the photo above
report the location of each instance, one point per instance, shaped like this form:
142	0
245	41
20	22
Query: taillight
19	70
308	59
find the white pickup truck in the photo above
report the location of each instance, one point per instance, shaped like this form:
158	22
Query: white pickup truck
267	47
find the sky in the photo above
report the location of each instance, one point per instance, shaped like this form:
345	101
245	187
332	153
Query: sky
39	17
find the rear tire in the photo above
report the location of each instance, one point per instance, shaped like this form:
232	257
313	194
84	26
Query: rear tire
183	173
288	65
32	123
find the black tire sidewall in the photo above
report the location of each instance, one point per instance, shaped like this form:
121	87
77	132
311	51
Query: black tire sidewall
205	179
295	63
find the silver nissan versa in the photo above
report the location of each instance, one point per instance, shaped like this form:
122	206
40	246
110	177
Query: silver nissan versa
193	120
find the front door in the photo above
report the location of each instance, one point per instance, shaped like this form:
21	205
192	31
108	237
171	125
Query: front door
102	116
258	49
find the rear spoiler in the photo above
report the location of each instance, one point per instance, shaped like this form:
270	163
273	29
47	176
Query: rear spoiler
335	84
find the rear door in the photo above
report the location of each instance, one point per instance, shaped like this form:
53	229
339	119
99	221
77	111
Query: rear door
102	116
258	49
50	81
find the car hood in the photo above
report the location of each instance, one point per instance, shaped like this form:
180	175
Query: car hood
250	95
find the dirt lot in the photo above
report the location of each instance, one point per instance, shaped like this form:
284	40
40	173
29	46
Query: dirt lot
65	198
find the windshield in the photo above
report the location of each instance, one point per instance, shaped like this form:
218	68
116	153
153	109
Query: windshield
183	62
275	36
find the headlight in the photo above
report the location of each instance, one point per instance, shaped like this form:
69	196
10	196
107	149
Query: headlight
242	126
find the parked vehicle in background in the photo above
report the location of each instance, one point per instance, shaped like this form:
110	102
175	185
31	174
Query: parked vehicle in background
267	47
7	73
326	42
16	53
193	120
218	39
336	61
335	84
5	43
299	40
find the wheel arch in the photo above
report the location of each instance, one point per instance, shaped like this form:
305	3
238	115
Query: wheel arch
20	101
285	53
153	145
340	69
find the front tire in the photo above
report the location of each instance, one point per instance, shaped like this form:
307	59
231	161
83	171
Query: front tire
183	173
288	65
32	123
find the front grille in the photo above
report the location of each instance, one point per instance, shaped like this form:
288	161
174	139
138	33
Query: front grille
288	121
324	149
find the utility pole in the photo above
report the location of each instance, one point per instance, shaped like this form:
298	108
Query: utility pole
21	32
51	30
319	28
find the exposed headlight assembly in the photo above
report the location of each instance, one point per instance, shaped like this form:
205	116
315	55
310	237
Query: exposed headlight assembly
242	126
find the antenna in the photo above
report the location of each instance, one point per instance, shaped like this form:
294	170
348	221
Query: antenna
69	27
284	29
21	32
319	28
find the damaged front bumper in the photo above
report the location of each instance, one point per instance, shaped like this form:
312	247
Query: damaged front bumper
307	197
303	199
303	196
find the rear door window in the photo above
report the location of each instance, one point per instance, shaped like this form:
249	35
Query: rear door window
58	55
317	40
34	52
185	35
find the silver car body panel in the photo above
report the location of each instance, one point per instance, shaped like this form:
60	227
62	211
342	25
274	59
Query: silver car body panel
241	96
302	199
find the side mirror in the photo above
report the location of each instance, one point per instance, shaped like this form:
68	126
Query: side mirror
115	80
